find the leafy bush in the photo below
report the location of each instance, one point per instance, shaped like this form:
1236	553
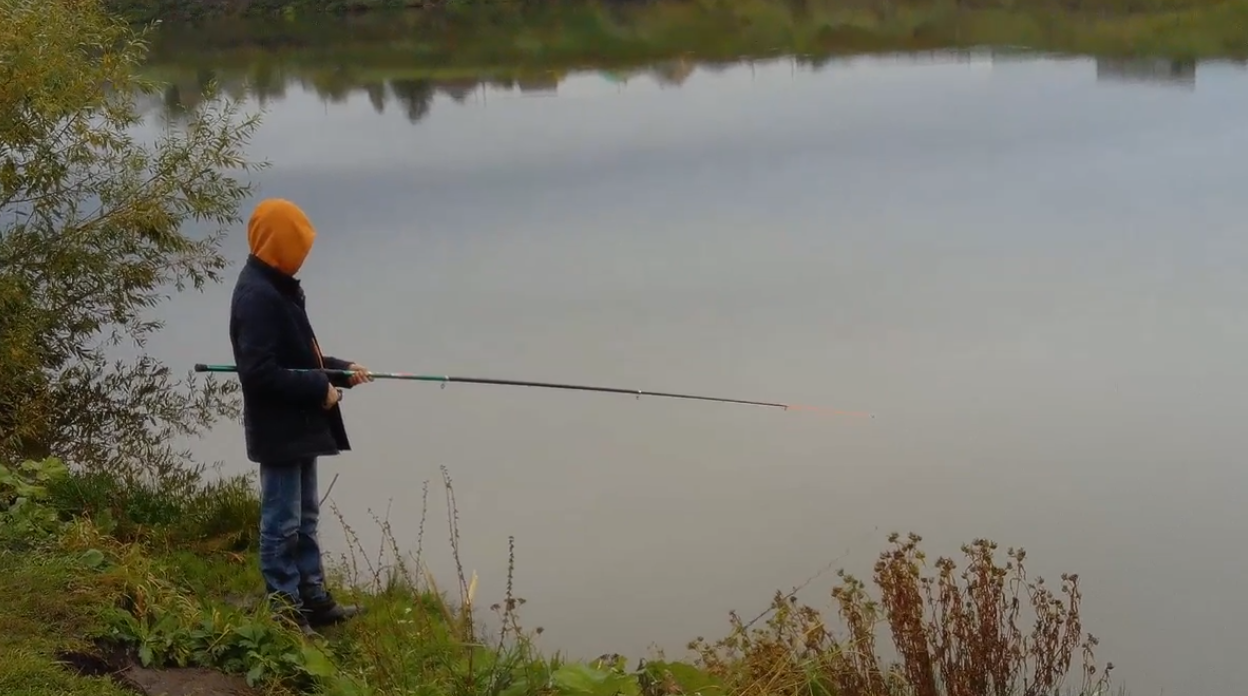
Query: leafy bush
173	632
25	511
94	233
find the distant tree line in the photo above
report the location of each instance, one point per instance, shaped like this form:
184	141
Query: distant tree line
143	11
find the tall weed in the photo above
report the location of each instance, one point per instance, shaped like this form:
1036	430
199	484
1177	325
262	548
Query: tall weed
418	635
954	633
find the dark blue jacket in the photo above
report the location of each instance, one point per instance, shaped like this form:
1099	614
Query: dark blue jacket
283	413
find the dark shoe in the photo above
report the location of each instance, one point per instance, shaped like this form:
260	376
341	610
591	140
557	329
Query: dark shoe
327	611
285	612
295	619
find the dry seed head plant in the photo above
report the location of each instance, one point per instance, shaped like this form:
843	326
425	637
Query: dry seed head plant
954	633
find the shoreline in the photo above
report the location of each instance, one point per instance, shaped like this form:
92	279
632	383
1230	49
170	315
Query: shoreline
549	41
408	57
568	33
163	598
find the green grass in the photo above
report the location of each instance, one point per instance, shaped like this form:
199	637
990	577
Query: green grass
46	608
31	673
175	590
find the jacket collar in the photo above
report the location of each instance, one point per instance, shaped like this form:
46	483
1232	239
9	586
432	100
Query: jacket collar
288	285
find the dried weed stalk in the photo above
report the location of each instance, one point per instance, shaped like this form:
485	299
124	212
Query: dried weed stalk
954	633
416	635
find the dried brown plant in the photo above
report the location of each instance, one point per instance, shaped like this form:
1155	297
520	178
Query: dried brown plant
954	634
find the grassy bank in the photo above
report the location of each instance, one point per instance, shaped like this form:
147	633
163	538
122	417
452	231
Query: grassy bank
163	592
409	56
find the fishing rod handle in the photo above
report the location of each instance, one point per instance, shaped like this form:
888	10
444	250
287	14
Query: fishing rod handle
201	367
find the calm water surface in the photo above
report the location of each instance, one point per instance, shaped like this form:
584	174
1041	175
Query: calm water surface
1031	270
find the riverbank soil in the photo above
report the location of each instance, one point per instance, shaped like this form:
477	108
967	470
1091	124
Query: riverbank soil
177	681
55	637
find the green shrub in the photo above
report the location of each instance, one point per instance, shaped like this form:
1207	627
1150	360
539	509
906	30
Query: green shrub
101	233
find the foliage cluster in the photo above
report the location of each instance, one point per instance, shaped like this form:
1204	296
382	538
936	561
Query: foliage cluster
141	599
25	497
102	217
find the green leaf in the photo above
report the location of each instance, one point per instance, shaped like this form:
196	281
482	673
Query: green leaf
316	663
690	679
145	655
577	678
250	633
93	558
627	685
580	678
255	674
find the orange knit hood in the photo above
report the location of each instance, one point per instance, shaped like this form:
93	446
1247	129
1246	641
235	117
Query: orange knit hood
280	235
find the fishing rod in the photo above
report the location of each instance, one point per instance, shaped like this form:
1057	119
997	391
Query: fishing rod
445	379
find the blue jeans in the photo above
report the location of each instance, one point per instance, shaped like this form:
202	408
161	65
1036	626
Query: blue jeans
290	554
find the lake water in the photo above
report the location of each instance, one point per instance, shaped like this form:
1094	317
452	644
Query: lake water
1030	269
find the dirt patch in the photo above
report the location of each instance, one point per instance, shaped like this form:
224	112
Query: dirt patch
187	682
120	667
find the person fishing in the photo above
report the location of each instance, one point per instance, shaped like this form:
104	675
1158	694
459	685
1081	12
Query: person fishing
291	411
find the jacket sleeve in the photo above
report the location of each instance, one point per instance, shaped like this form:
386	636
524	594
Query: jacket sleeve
332	363
256	356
